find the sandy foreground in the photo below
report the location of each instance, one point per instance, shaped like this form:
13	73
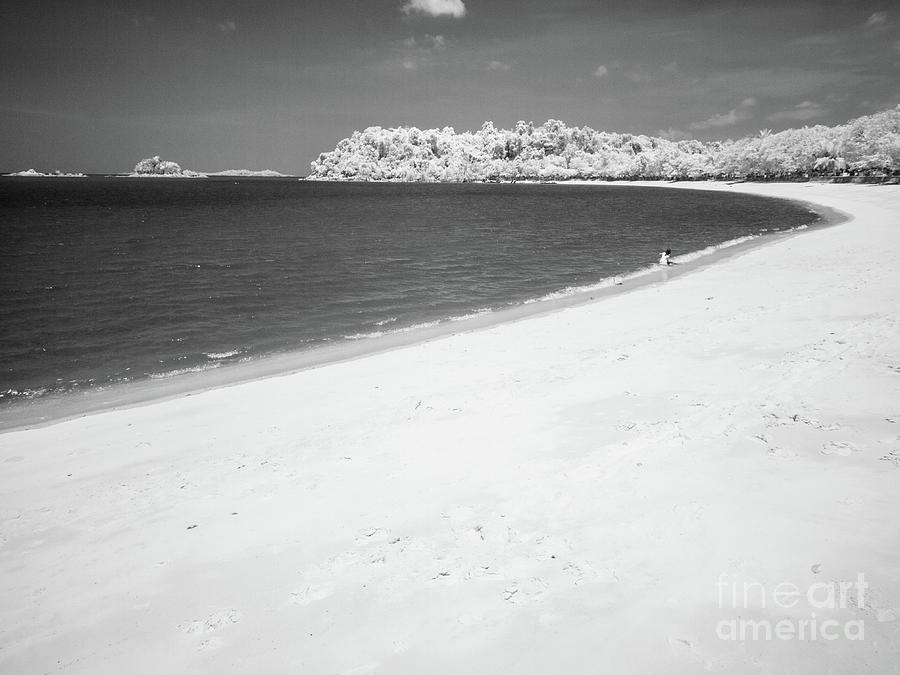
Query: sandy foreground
702	474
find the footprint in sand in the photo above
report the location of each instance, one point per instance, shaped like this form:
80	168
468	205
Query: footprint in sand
893	457
885	615
530	590
773	420
312	593
213	622
823	426
840	448
584	572
372	535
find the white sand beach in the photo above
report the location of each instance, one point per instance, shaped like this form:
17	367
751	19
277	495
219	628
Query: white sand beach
613	487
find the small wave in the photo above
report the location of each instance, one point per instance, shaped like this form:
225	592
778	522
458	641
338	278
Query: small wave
223	355
184	371
574	290
396	331
473	315
616	280
417	326
20	394
366	336
694	255
384	322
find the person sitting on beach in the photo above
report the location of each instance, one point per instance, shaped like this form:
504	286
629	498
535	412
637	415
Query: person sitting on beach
665	257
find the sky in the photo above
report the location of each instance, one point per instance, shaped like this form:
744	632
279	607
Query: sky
218	84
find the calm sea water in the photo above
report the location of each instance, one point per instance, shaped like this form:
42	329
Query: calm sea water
110	280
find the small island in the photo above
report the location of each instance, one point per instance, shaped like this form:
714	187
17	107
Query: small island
32	173
155	167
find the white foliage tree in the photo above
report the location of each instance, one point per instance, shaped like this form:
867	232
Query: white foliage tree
157	167
555	151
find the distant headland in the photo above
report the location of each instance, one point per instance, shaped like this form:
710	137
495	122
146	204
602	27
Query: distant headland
32	173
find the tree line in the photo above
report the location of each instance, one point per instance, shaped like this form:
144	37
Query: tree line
865	146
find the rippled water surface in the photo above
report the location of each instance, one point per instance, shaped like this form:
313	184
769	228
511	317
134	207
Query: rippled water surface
108	280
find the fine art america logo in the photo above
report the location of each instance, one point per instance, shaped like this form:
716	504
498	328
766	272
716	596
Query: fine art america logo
807	613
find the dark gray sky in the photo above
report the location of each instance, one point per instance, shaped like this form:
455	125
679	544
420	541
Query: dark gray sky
96	86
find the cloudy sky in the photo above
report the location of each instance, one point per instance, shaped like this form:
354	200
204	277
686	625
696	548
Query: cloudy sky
213	84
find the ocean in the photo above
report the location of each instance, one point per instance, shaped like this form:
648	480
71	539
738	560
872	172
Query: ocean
111	281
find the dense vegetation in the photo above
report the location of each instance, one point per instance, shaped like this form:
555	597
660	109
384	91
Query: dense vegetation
154	166
868	145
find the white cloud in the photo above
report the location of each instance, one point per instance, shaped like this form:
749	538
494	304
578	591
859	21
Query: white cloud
800	112
499	66
452	8
435	42
415	54
601	71
227	27
877	19
428	43
735	115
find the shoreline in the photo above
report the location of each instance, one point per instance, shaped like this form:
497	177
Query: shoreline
56	408
595	485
